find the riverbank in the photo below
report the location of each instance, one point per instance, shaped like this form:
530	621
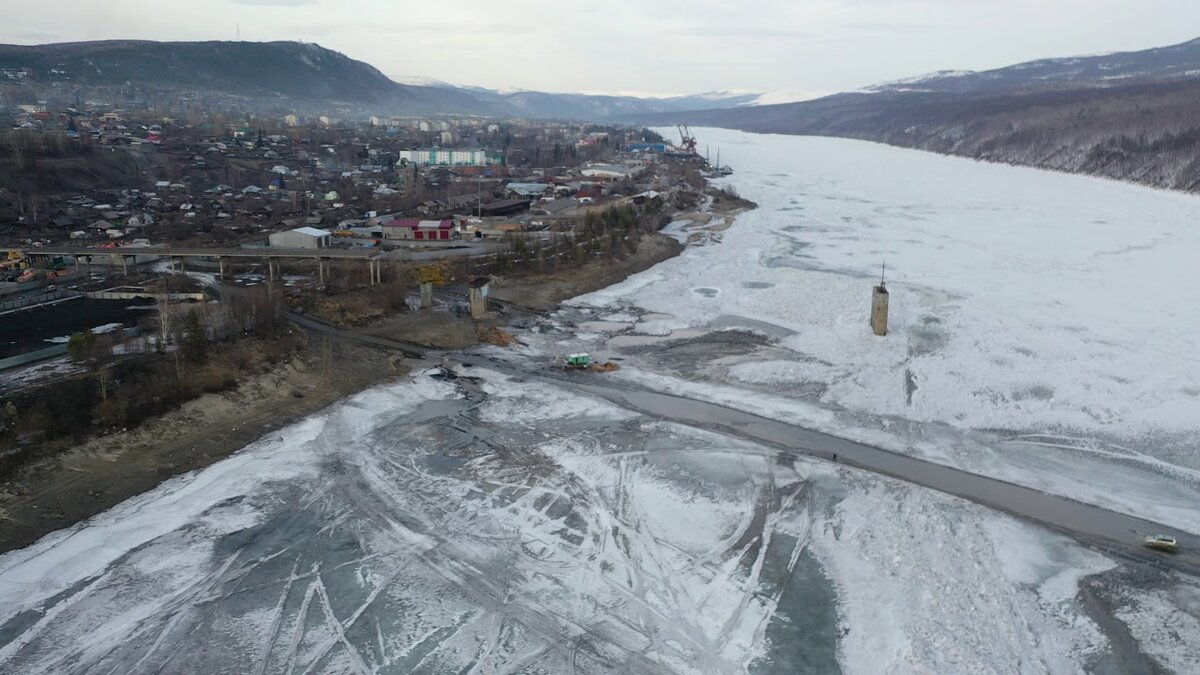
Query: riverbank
62	490
543	292
66	489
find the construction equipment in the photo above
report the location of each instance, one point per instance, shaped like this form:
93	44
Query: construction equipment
583	361
687	141
15	260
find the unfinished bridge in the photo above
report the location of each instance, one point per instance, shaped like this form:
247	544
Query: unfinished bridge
124	256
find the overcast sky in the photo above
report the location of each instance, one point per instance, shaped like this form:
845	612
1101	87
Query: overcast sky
646	46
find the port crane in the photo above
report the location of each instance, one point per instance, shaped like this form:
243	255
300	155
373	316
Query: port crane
687	141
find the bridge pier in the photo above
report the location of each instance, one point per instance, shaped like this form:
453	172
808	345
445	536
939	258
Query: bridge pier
322	269
375	268
221	264
272	268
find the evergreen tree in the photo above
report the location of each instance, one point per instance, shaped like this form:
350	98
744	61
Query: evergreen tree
193	336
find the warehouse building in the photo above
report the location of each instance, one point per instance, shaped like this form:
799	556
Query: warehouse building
302	237
612	171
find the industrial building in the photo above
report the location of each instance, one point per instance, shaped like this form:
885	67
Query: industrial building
302	237
441	157
612	171
505	207
646	147
419	230
527	190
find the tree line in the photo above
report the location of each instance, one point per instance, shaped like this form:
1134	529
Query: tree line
195	349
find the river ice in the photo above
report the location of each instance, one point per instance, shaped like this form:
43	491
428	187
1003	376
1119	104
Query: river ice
1039	326
491	525
487	523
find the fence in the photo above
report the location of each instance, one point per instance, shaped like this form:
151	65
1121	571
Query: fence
11	287
33	301
33	357
135	295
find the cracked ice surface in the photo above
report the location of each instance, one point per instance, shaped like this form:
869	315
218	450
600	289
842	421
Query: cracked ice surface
494	525
1037	332
491	525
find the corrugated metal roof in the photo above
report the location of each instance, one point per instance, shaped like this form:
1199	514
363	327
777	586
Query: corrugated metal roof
312	232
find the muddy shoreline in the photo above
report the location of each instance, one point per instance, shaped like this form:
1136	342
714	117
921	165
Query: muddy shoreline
103	471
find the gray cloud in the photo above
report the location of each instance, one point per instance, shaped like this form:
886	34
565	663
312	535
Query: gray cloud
275	3
663	46
39	36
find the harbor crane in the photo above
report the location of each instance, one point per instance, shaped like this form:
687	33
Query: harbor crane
687	141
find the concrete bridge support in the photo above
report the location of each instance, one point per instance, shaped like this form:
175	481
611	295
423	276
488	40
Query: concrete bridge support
426	295
124	263
323	265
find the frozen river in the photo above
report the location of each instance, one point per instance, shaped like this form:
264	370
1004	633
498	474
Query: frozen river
488	523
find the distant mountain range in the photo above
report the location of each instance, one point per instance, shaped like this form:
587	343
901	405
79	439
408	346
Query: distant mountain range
262	70
1132	116
1161	64
309	73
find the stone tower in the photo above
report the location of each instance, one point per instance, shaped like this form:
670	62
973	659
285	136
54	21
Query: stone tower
879	309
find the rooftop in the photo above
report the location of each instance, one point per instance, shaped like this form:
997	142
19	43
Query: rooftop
312	231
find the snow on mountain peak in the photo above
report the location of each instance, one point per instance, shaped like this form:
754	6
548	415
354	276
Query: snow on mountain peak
421	81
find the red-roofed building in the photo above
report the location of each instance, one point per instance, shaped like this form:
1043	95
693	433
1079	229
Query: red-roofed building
419	230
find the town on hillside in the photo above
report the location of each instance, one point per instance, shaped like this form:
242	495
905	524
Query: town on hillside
145	253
